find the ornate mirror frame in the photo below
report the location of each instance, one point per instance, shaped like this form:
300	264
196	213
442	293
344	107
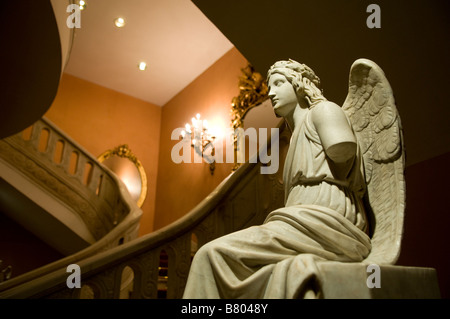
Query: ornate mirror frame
124	152
253	92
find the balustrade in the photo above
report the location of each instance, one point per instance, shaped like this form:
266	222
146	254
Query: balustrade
243	199
45	156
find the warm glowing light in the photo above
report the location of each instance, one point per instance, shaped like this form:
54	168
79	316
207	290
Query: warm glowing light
82	4
201	138
119	22
142	66
128	173
215	133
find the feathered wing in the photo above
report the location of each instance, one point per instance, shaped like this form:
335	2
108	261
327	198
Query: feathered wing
371	108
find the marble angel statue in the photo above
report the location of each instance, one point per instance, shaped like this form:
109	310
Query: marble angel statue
344	192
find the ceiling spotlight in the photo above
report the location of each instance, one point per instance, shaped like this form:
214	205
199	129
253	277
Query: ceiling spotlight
119	22
82	4
142	66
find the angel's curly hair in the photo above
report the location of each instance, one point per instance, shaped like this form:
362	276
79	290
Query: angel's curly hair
297	74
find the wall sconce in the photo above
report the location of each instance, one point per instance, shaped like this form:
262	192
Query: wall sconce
201	139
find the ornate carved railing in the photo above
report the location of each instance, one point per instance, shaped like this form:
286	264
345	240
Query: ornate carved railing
46	158
243	199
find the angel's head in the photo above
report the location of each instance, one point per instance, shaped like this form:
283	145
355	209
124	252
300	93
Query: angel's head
304	81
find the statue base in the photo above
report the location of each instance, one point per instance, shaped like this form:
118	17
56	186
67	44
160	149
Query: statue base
360	281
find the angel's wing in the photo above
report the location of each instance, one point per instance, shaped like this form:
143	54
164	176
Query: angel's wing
371	108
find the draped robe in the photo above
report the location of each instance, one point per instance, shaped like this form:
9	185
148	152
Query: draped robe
323	219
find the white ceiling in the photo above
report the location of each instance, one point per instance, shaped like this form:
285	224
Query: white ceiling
173	37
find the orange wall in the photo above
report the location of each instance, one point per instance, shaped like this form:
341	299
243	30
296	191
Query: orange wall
100	119
182	186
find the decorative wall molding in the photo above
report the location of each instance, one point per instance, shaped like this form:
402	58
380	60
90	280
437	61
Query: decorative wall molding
124	151
253	91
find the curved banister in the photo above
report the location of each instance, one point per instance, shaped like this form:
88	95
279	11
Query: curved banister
92	193
243	199
123	252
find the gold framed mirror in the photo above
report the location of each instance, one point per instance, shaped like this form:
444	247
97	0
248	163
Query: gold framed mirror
253	93
129	169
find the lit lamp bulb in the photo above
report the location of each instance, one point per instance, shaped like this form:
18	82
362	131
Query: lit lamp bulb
119	22
142	66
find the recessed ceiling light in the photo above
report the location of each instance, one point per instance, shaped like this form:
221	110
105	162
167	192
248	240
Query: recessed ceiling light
142	66
119	22
82	4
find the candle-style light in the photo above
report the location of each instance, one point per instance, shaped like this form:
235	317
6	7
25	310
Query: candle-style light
201	138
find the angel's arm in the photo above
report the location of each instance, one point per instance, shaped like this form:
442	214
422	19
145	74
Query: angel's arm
334	131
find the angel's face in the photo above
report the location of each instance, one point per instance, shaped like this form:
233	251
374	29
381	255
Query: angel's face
282	94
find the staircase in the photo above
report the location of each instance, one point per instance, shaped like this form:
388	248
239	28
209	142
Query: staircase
153	266
54	188
62	194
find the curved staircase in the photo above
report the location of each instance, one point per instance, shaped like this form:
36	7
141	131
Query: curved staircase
158	262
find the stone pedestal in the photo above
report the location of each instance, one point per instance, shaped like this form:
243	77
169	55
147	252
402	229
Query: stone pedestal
350	281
